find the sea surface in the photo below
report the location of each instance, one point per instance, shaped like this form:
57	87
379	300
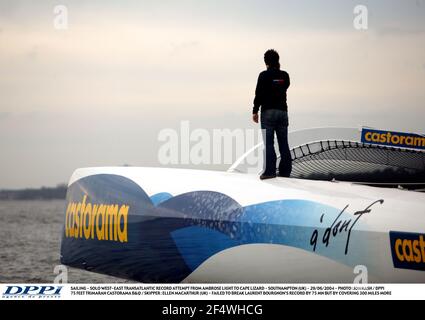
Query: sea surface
30	233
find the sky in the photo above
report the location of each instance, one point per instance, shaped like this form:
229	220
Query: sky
99	92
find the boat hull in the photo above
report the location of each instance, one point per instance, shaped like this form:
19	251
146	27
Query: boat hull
176	225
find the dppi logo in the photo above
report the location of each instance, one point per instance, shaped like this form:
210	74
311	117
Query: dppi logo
32	291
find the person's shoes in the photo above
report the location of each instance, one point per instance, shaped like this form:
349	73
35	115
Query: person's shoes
264	177
282	175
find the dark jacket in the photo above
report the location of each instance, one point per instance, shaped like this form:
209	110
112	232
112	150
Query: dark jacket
271	90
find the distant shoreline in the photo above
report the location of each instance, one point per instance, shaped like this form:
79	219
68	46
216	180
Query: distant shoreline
43	193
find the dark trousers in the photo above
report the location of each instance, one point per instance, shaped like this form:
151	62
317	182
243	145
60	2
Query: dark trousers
276	121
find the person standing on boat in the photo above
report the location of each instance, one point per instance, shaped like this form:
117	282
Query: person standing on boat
270	96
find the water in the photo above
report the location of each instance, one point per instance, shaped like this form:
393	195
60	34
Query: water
30	233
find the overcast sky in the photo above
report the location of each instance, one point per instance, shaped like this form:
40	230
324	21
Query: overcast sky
99	93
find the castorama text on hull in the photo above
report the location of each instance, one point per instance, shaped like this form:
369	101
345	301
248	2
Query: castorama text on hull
178	225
